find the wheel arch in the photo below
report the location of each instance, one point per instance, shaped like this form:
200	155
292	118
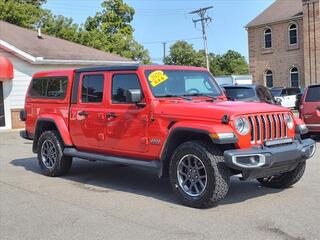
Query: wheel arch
176	137
51	123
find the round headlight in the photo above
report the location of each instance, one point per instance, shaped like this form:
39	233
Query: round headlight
289	121
242	125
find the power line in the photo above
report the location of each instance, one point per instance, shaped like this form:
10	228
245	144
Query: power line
168	41
137	14
204	19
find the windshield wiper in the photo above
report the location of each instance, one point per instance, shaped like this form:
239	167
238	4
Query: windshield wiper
231	99
200	95
174	96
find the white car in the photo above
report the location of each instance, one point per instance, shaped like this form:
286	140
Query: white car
286	96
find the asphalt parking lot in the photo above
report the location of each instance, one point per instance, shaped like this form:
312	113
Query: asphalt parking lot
101	201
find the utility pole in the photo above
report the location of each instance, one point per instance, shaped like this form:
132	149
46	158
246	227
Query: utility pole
203	19
164	51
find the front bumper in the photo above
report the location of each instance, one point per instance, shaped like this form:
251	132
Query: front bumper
258	162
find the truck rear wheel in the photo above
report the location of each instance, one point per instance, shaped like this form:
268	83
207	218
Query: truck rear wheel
284	180
50	155
198	174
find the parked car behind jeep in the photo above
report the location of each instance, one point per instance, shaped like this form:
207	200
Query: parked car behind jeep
249	93
171	118
286	96
310	108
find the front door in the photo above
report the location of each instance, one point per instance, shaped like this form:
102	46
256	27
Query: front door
2	116
88	115
127	123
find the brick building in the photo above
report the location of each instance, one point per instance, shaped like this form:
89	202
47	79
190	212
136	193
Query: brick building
284	44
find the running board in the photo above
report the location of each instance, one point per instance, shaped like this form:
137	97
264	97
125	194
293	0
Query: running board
100	157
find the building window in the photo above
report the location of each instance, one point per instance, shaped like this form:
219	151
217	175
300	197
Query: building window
293	34
269	78
268	38
294	76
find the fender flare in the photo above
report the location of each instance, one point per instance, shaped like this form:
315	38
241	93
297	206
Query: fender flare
192	128
59	124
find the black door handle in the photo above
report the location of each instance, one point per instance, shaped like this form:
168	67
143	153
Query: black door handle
111	115
83	114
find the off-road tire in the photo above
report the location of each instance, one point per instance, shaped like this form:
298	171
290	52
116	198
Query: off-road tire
63	163
218	174
285	180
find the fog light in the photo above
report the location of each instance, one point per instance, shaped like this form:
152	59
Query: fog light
309	151
312	150
249	161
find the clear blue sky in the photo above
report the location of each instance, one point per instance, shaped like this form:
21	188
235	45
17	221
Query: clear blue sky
166	20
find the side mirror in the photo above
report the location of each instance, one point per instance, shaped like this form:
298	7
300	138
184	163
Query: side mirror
133	96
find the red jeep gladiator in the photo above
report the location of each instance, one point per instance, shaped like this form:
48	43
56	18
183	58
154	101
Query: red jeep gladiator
172	118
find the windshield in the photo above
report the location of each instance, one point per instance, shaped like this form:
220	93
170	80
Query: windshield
276	92
179	83
239	93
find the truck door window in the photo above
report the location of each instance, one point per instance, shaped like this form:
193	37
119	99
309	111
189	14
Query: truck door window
57	88
50	87
313	94
121	83
92	88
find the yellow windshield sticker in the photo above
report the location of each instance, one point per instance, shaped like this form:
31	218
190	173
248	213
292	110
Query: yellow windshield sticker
157	77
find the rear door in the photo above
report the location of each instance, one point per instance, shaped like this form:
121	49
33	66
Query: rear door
88	116
311	108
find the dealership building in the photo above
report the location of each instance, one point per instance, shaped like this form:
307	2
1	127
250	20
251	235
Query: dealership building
24	52
284	44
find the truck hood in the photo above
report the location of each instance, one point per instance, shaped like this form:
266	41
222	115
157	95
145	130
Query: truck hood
214	110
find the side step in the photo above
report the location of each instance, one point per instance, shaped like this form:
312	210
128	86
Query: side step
100	157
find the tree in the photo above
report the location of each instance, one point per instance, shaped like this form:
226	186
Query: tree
182	53
115	32
232	62
115	17
21	13
61	27
109	30
36	3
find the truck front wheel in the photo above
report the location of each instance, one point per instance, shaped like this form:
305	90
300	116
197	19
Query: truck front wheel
198	174
284	180
50	155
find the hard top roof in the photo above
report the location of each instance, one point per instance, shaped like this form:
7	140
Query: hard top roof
136	67
133	67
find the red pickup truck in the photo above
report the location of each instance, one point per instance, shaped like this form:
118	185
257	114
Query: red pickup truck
310	108
172	118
